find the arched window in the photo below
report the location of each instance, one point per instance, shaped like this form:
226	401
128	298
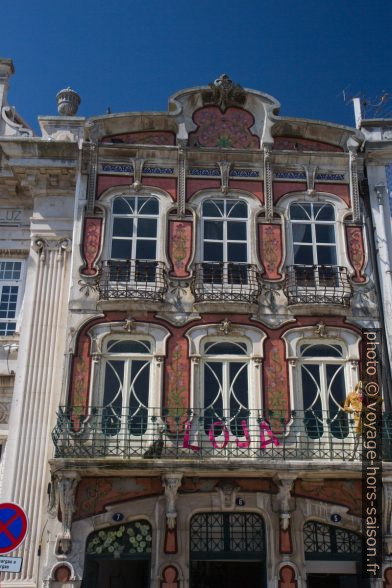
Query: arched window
225	385
328	542
323	385
126	367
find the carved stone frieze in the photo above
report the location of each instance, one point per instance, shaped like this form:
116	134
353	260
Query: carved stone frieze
227	492
354	187
182	165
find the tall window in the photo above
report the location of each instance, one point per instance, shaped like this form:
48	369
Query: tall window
126	387
226	384
313	234
323	389
10	294
224	240
134	228
134	238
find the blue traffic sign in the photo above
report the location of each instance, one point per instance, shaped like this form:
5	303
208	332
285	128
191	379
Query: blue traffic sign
13	526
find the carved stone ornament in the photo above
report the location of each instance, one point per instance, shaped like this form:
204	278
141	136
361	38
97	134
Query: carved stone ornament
171	483
87	287
224	167
67	484
321	330
138	164
227	493
67	102
129	324
224	93
44	246
225	326
284	501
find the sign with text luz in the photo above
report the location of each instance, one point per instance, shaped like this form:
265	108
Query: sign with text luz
13	526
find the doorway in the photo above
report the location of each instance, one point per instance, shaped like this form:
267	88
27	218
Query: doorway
230	574
227	549
112	573
336	581
119	556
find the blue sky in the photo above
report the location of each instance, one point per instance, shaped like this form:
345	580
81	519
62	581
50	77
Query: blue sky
132	55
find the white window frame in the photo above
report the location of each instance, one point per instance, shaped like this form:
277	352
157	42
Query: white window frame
103	332
296	337
14	282
314	243
165	202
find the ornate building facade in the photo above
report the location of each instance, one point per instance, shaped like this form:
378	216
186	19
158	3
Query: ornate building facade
184	297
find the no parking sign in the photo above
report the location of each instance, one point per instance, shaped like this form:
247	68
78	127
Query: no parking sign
13	526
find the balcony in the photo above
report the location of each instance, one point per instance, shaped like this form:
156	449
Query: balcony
132	279
195	434
226	282
318	284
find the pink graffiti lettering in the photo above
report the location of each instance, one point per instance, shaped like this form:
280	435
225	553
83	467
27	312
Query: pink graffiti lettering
271	437
244	444
186	444
211	435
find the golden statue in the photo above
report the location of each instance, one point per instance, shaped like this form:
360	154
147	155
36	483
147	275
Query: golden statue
354	405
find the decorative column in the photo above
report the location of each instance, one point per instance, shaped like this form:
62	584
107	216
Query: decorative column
37	393
285	507
268	193
354	189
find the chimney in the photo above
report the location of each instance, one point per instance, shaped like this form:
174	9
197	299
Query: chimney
6	71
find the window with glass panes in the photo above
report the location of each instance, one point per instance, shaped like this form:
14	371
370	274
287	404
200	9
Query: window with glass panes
313	234
226	384
125	395
224	240
323	389
134	227
10	286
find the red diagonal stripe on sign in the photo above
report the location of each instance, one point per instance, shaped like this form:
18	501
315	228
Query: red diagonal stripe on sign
4	527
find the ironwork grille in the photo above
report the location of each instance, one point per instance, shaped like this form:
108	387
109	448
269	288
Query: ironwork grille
131	540
227	535
221	281
318	284
328	542
132	278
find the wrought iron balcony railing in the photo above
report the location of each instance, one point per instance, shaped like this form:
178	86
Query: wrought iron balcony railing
196	434
315	284
132	279
229	281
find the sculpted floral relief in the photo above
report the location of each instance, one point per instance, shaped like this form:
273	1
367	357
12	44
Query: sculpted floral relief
180	246
91	244
228	129
270	246
356	252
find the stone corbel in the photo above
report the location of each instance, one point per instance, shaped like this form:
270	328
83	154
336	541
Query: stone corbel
138	164
224	167
310	171
387	523
67	483
283	500
171	483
